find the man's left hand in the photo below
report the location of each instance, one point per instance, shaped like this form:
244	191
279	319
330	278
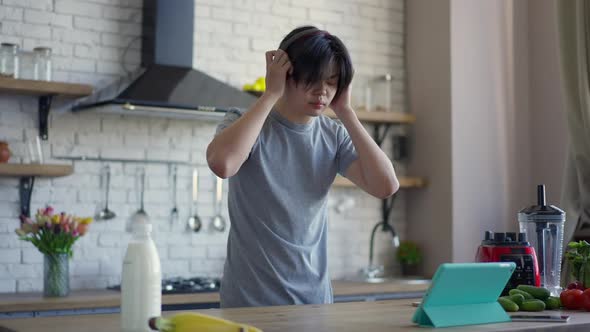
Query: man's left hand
341	105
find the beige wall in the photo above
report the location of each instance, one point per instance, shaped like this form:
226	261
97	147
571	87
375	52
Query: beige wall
481	106
429	95
483	82
549	132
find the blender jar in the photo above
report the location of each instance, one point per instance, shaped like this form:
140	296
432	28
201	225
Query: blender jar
543	225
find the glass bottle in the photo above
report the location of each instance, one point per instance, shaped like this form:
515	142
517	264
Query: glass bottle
42	63
9	60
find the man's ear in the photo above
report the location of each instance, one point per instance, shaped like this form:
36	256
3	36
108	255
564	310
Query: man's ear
290	81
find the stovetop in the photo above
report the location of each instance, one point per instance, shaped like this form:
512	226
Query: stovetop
180	285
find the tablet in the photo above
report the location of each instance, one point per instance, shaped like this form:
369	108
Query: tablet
464	294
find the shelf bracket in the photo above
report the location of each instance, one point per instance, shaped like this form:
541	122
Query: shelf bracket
44	107
378	134
25	191
386	209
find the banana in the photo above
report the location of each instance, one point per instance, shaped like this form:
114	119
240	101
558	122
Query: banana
194	322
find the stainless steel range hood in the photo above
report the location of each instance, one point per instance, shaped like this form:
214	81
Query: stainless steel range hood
170	86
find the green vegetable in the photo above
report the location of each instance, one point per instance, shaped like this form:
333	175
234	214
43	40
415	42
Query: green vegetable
517	298
537	292
552	302
508	305
526	295
533	305
578	256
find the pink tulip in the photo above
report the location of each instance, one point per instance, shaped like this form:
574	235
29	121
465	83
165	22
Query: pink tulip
48	211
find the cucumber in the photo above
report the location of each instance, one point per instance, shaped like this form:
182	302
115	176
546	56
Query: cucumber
517	298
537	292
552	302
526	295
533	305
508	305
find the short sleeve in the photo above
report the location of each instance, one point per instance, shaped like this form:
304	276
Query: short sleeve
346	151
230	117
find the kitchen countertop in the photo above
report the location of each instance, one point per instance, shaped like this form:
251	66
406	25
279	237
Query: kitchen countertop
97	298
394	315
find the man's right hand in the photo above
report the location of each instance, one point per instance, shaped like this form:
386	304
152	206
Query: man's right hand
277	66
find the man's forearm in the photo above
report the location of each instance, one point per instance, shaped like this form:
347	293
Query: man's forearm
377	169
230	148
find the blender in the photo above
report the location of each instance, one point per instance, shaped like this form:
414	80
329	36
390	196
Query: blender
543	225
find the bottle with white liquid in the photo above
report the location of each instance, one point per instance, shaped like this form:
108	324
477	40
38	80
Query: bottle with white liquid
141	284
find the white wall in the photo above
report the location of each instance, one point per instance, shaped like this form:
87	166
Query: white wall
89	39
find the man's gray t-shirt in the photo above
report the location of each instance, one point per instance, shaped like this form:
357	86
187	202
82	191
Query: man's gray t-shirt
277	244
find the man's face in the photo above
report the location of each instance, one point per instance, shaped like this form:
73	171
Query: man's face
312	100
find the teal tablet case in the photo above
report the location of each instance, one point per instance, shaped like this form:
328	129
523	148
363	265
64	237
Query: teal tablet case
465	294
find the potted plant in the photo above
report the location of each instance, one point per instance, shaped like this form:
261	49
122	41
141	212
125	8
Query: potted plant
577	265
54	235
409	256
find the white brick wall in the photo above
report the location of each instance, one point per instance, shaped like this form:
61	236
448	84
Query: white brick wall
88	38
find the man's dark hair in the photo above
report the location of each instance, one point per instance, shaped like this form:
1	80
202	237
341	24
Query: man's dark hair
312	51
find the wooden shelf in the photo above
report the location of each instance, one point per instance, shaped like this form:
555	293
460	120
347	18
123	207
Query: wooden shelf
43	88
405	182
379	116
29	170
45	91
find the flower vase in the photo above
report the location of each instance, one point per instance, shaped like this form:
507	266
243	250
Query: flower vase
56	275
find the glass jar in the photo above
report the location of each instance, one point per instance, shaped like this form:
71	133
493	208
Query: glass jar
9	60
42	63
361	92
380	88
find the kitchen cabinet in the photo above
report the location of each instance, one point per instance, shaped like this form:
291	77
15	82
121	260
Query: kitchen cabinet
84	302
392	315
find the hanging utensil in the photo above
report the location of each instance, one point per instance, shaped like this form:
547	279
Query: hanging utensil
174	211
194	222
106	214
140	216
218	222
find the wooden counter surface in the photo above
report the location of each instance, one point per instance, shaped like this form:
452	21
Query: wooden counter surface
393	315
83	299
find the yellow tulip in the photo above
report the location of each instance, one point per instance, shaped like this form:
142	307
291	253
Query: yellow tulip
86	220
55	219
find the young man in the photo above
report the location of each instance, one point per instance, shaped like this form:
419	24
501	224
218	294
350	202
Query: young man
281	157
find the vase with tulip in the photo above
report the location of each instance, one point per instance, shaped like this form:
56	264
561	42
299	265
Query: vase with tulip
54	235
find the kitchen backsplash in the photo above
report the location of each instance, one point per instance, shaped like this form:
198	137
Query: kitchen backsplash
96	41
